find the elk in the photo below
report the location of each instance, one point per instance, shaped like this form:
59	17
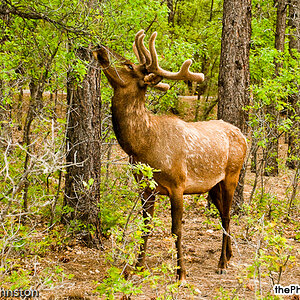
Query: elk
193	157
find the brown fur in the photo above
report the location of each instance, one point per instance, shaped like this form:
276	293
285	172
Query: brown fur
193	158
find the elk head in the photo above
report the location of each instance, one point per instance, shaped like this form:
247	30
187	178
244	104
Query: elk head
125	74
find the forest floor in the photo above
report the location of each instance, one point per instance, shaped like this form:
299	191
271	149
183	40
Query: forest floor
202	245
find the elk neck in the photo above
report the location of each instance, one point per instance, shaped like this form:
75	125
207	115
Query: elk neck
131	120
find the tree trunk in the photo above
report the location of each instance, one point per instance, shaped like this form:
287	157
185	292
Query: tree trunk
82	181
234	75
294	46
280	31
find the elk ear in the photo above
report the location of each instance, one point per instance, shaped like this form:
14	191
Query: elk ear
153	80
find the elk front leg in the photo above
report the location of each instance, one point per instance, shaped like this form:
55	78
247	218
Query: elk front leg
177	213
148	200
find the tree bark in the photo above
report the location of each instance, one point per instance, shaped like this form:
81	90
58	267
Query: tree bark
234	75
82	181
280	31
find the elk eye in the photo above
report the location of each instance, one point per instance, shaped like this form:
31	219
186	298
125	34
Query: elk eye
130	66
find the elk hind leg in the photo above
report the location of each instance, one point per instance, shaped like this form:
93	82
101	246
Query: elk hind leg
222	199
230	184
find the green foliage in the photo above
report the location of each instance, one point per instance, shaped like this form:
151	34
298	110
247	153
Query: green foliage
42	49
16	273
146	174
114	283
212	215
88	184
272	255
226	295
271	113
16	280
163	103
265	227
263	24
117	190
122	19
297	235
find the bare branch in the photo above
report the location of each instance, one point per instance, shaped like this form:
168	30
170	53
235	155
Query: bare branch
30	13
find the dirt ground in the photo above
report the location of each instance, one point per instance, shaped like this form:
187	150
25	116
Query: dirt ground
202	245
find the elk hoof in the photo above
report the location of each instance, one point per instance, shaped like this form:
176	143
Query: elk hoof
221	271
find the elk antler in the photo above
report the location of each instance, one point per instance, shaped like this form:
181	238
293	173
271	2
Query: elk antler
151	61
144	57
140	51
183	74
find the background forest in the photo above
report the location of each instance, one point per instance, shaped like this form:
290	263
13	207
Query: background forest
70	212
